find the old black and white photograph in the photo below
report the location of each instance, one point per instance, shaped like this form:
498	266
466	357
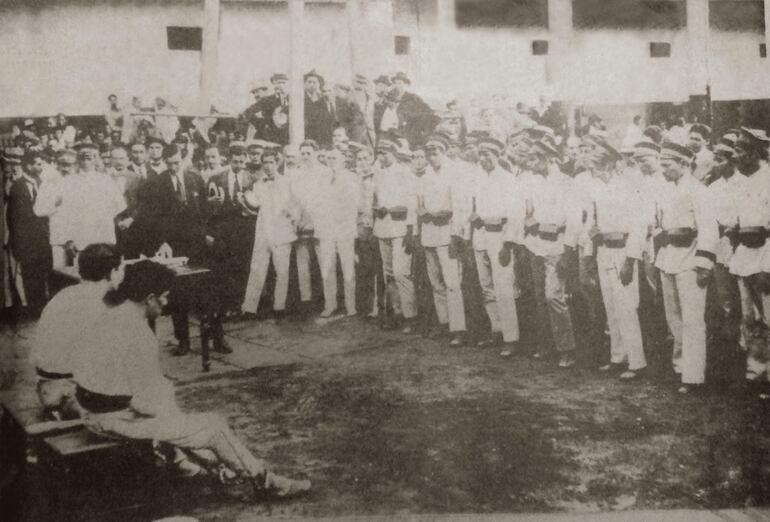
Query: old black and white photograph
384	260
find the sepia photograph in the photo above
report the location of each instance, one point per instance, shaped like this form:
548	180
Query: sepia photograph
377	260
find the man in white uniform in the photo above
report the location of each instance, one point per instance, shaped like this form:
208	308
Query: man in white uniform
279	214
688	237
81	206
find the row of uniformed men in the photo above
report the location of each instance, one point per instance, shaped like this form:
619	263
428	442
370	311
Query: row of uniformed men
517	206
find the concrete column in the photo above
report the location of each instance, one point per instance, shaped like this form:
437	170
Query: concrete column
353	11
296	87
558	62
767	23
446	15
697	40
209	55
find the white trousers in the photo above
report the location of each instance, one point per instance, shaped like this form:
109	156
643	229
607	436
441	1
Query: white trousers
302	250
260	261
755	305
397	269
444	275
497	289
621	302
329	250
685	304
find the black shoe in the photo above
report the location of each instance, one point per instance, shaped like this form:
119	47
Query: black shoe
221	345
182	349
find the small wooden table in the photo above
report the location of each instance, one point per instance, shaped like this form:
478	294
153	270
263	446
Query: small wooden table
189	280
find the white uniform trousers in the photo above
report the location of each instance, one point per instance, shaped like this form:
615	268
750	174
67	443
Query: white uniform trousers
196	432
497	289
444	275
328	250
302	250
260	261
397	269
755	305
685	305
621	302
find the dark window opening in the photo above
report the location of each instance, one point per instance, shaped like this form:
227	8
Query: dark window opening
184	38
660	49
501	13
629	14
402	44
539	47
763	50
737	15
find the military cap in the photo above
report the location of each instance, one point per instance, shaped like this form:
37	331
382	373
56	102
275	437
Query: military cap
646	148
66	156
387	145
438	140
675	151
255	144
724	149
401	76
491	145
309	143
544	149
703	130
85	144
237	148
154	139
476	135
279	77
383	79
13	155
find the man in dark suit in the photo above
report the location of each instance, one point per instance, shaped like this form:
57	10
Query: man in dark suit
275	112
416	120
171	215
231	225
381	87
29	234
319	114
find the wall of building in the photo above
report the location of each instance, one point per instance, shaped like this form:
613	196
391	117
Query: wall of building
69	56
737	71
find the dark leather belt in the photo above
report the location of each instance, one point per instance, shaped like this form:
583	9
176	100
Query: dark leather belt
52	376
679	237
440	218
752	237
612	239
100	403
550	232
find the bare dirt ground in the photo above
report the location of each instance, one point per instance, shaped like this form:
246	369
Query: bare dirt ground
396	424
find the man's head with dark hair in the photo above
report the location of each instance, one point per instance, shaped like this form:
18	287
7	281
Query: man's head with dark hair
97	261
33	163
145	283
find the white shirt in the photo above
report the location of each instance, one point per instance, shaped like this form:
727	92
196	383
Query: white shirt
498	194
704	162
725	194
441	191
89	203
389	119
337	204
305	183
752	209
687	204
614	210
552	204
394	187
279	211
118	355
64	318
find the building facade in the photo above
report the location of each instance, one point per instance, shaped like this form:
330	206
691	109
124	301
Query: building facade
68	55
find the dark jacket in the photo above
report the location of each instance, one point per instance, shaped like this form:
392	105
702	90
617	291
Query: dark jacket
319	121
268	130
28	232
416	119
163	218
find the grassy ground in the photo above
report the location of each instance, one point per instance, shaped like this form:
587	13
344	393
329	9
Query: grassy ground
415	427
